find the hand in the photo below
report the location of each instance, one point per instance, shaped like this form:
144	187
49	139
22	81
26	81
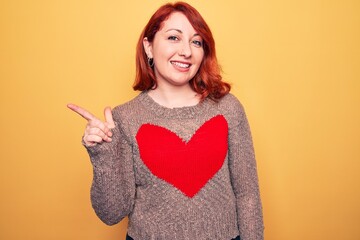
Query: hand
96	131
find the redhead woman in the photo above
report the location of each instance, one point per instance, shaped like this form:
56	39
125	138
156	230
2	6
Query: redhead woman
178	159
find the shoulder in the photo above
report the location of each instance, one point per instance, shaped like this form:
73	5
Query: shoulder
127	110
232	109
231	103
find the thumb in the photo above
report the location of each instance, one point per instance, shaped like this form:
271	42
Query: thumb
108	117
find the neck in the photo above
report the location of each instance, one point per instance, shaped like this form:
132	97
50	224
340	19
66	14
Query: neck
175	97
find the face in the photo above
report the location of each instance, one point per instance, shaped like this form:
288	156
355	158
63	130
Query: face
177	51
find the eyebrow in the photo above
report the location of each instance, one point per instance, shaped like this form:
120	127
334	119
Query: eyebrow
179	31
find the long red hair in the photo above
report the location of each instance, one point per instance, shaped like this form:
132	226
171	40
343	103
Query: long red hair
208	80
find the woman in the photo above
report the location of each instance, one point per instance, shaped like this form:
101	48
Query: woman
178	159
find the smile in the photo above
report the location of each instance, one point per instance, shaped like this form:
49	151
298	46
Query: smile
181	65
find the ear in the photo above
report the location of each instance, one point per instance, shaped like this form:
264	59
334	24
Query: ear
148	47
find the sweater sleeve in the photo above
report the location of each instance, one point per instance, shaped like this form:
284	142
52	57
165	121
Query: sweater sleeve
113	186
244	178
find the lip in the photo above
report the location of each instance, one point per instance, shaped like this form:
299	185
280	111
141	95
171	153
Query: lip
181	65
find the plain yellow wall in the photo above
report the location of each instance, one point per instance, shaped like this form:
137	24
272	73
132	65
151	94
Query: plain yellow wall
295	65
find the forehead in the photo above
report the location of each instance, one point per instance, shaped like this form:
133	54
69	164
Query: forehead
177	20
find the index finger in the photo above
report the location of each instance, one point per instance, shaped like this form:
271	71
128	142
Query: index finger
82	112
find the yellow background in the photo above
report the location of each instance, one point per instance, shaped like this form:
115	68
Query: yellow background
295	65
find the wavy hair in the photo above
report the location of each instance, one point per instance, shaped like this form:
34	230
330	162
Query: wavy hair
208	81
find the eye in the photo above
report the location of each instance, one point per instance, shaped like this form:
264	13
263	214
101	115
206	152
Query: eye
173	38
197	43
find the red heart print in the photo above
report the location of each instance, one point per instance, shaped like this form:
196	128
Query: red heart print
188	166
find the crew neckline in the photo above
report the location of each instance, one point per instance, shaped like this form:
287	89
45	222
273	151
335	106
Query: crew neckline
176	112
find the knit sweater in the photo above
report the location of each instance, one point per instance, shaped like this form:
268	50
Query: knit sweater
179	173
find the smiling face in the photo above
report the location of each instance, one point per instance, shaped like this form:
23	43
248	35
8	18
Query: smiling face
177	51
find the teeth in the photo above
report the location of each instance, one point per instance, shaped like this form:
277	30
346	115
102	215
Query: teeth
182	65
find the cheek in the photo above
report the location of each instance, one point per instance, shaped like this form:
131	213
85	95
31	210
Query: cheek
200	59
163	56
200	55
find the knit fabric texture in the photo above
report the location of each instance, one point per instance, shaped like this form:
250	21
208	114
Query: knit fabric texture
179	173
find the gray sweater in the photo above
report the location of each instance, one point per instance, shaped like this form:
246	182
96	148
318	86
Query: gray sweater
179	173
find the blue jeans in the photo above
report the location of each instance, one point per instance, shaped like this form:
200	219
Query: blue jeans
130	238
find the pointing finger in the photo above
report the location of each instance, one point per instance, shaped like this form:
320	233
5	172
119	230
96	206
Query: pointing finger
82	112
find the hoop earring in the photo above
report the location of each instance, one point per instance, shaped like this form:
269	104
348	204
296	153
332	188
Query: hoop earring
150	62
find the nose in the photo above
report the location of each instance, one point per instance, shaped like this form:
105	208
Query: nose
185	50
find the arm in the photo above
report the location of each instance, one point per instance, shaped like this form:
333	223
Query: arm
113	187
244	179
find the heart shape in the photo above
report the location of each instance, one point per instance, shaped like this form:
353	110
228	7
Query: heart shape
188	166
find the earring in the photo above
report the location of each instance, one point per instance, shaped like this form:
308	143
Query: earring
150	62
